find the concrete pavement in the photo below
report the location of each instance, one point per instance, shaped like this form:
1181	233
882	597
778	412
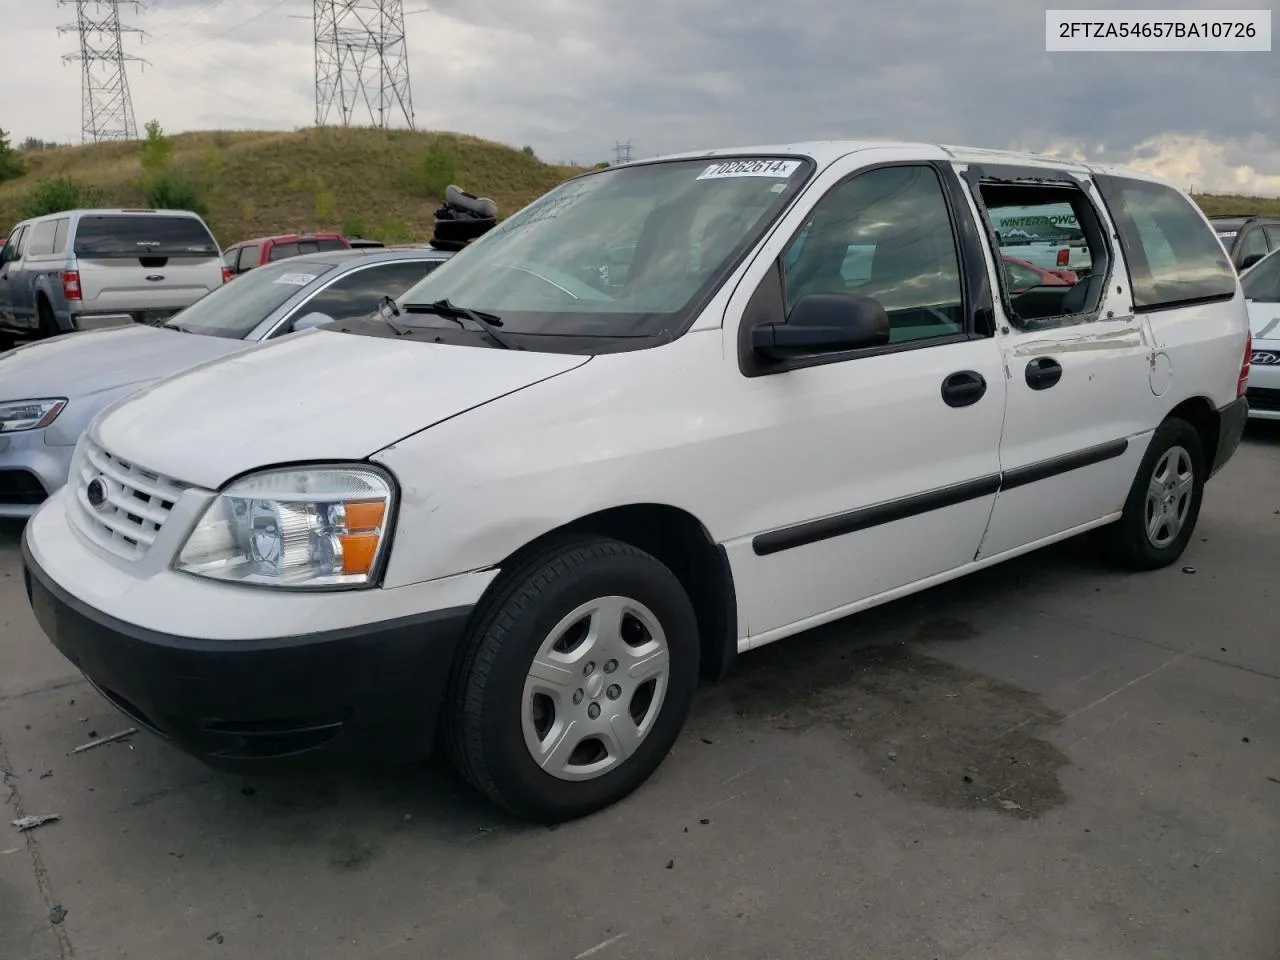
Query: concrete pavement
1045	761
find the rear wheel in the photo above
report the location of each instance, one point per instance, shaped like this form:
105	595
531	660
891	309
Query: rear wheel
48	323
1163	505
577	677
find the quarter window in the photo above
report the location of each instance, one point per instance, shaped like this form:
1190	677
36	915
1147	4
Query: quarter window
1173	256
884	234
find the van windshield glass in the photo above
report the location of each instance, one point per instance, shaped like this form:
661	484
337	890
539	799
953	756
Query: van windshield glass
235	308
626	252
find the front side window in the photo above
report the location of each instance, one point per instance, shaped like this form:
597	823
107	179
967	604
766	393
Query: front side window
1173	256
1262	283
884	234
233	310
1272	231
358	293
628	252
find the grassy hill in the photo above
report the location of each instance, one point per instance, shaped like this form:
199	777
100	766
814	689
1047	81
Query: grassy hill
371	182
381	184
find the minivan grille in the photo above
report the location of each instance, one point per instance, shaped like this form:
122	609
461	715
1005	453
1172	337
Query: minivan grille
135	507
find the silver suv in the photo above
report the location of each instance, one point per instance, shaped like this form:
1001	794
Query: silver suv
82	269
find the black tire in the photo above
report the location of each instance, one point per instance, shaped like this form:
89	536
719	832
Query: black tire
48	323
483	729
1126	542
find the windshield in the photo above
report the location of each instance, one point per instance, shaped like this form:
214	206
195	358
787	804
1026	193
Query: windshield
1262	283
235	308
630	252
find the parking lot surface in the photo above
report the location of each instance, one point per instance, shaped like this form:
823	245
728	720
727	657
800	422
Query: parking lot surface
1045	760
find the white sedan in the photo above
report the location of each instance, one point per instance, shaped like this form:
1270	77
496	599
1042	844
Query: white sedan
1261	284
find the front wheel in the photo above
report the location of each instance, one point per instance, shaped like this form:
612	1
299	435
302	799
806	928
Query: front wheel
575	681
1163	505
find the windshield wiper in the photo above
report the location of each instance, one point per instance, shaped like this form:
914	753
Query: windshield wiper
386	311
486	322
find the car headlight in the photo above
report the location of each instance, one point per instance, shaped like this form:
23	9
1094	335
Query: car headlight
29	414
300	527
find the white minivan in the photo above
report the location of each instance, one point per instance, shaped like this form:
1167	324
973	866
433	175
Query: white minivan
520	510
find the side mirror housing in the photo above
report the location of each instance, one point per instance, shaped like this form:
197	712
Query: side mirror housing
310	321
1250	260
824	323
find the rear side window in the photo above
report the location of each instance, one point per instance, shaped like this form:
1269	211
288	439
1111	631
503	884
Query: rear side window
1273	235
283	251
1253	243
1174	257
121	236
60	234
330	244
43	235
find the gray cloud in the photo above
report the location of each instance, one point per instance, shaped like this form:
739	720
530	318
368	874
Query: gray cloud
570	78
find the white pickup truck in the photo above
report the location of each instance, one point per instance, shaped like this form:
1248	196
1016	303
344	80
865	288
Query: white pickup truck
1047	236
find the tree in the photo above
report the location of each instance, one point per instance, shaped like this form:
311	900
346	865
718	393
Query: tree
11	165
157	149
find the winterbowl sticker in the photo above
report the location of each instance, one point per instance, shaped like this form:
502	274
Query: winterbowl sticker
750	168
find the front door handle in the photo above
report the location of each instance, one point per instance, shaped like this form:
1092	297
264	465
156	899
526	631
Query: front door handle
963	388
1043	373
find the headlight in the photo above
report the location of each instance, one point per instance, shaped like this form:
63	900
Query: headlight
297	527
29	414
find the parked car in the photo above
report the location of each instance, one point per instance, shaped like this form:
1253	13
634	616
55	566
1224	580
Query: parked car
1261	284
243	256
51	389
1248	239
525	510
84	269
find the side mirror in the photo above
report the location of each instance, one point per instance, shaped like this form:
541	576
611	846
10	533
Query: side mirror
310	321
1250	260
824	323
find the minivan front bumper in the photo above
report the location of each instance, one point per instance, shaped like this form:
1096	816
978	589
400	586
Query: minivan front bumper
368	693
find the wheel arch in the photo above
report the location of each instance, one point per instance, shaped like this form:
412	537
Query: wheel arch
680	541
1204	418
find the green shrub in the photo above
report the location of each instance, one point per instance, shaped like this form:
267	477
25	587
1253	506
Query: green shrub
157	149
168	191
354	227
57	194
11	165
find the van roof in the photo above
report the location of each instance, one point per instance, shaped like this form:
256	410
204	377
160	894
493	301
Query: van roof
826	152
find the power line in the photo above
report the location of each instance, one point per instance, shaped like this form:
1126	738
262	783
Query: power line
106	105
361	57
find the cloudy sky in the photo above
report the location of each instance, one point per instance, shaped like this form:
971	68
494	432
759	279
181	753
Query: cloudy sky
572	77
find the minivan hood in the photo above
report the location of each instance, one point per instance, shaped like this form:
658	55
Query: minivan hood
1264	320
316	395
88	362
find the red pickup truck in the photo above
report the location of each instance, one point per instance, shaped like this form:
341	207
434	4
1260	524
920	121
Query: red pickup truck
247	254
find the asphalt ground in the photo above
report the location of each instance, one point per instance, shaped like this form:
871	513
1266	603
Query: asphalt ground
1044	761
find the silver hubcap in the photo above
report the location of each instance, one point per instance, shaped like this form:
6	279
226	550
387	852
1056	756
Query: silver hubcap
1169	496
595	688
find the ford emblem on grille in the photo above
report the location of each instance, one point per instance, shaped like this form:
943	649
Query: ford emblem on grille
96	492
